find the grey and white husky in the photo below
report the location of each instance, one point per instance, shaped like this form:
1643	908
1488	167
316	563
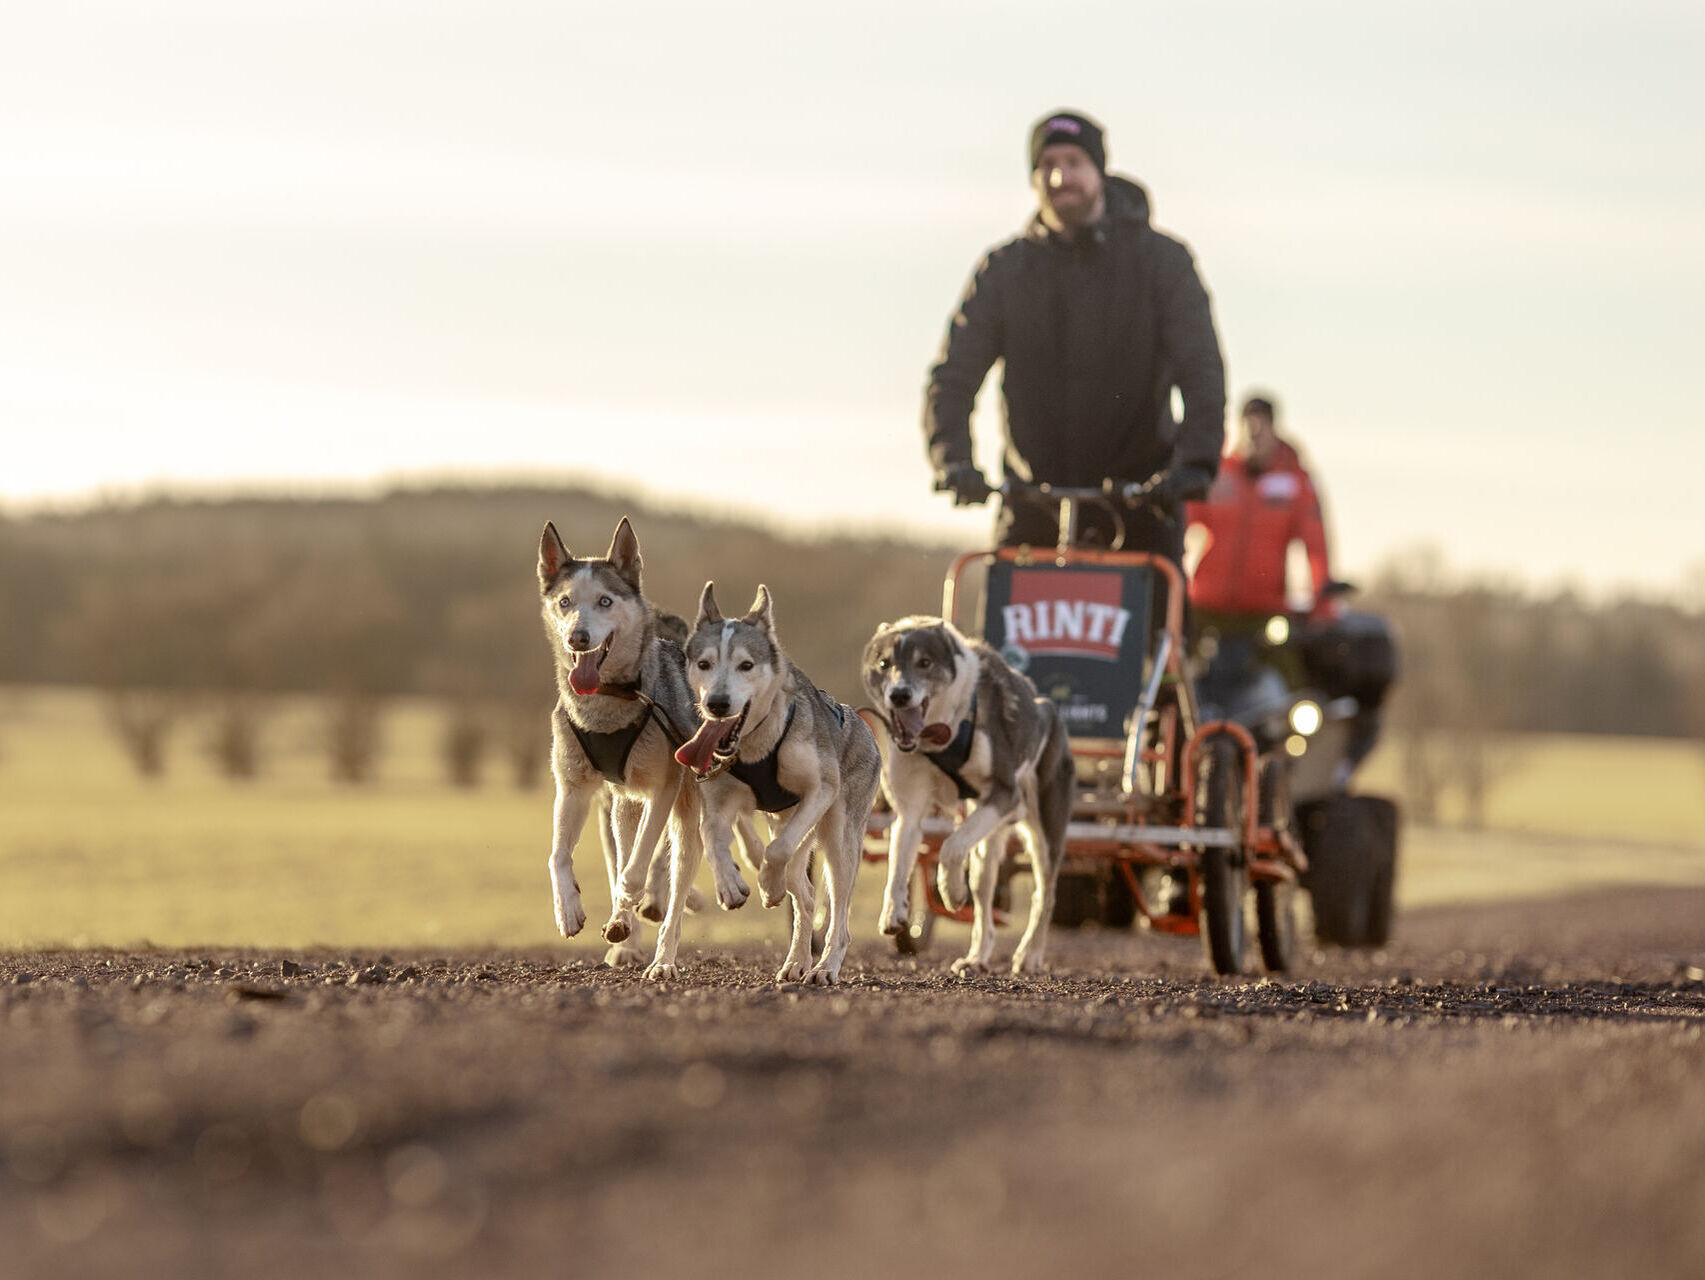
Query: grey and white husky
964	726
622	708
772	741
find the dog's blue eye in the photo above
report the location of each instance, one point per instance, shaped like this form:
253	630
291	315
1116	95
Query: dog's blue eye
565	604
604	602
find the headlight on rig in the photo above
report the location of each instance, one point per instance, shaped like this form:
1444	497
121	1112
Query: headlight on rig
1306	717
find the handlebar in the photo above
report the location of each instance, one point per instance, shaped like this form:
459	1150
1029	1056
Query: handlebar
1113	496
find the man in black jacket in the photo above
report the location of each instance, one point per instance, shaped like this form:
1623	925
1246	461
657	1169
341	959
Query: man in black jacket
1098	317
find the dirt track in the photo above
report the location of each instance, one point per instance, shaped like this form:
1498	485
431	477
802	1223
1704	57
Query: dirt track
1508	1091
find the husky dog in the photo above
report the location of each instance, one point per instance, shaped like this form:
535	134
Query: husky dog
622	707
772	741
963	725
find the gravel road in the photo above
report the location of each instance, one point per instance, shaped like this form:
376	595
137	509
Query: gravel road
1506	1091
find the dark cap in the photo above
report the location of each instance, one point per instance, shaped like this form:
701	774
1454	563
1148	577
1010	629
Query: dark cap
1262	404
1072	127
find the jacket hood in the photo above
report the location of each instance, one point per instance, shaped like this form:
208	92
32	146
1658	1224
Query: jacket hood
1127	201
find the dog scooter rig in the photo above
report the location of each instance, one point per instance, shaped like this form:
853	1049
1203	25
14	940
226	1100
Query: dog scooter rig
1100	630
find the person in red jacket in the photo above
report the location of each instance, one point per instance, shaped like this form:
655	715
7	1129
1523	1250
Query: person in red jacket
1261	504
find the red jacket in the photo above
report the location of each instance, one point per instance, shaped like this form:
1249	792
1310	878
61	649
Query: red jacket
1251	521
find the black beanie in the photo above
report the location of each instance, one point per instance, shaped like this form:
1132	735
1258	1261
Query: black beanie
1072	127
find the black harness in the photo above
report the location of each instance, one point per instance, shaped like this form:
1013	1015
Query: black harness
764	776
608	752
953	757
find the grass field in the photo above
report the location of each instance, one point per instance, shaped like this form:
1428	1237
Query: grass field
91	855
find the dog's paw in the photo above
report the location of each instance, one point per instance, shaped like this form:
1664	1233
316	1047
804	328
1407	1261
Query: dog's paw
651	908
570	916
772	883
895	918
823	976
625	954
1027	961
731	891
619	927
659	971
695	899
950	884
793	971
969	967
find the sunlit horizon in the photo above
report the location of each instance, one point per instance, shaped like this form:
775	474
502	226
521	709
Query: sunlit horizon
707	258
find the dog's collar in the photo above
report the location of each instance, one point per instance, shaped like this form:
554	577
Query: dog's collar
631	692
954	756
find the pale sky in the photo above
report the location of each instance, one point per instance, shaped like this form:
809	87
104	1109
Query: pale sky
708	251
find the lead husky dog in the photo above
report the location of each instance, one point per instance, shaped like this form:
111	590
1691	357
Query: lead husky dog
964	725
622	707
773	741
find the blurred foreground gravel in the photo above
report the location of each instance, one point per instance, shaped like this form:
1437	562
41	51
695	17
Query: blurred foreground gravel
1514	1090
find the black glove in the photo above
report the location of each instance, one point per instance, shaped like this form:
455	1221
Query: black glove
1188	483
966	484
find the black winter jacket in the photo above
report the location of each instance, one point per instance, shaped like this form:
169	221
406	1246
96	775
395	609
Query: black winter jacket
1095	333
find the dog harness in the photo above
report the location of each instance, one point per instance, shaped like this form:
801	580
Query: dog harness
953	757
608	752
763	776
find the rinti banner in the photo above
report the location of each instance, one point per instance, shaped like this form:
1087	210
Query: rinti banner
1079	632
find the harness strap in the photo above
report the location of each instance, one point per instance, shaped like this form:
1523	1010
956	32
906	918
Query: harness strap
763	776
608	752
953	757
633	693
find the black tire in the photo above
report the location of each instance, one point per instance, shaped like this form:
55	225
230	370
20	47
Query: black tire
1118	904
1077	899
915	938
1225	875
1337	836
1275	923
1275	900
1380	817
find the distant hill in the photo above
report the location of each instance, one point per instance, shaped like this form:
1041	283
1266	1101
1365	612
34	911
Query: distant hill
414	591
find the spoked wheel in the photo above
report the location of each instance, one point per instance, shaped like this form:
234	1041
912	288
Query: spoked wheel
1275	900
1225	875
914	939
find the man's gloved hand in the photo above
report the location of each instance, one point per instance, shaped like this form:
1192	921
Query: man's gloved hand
1188	483
967	485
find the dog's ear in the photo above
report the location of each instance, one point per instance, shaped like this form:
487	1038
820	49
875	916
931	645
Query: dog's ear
552	555
624	554
708	612
762	612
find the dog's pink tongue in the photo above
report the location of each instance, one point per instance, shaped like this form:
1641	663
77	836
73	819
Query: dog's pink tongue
909	721
936	735
699	751
584	678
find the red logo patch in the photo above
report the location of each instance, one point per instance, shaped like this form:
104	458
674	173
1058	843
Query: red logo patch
1076	614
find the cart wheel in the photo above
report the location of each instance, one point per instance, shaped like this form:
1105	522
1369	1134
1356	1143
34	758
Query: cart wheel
1077	899
914	939
1337	838
1381	818
1119	904
1224	873
1275	923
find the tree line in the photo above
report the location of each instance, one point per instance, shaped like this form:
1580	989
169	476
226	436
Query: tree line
224	605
